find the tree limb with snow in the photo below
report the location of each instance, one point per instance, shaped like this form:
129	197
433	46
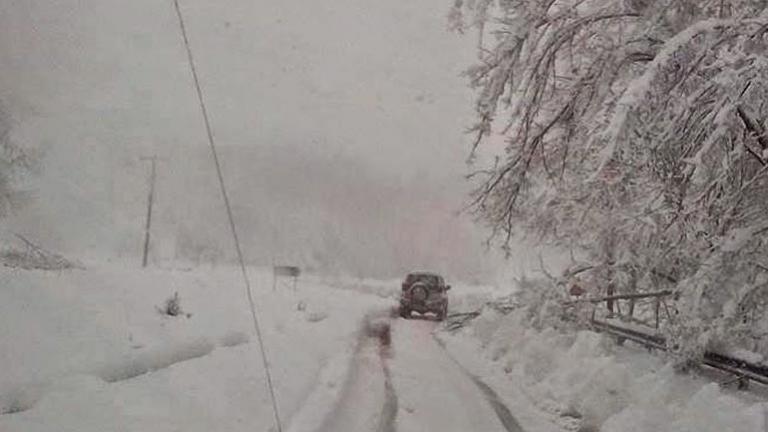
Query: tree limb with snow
632	130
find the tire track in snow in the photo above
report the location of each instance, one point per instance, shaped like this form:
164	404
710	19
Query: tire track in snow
435	395
368	402
505	416
389	410
502	412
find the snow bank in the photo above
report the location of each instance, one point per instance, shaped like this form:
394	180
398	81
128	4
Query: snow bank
584	381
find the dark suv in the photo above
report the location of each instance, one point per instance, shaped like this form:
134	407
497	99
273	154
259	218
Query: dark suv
422	293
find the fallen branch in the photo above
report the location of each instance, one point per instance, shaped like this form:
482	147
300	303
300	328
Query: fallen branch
737	367
456	321
35	258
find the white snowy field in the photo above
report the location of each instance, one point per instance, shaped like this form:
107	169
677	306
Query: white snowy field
584	381
89	351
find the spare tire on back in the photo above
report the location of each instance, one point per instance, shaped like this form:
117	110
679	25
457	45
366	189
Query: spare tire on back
419	292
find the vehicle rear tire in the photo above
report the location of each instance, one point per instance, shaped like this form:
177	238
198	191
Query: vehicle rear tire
443	313
419	293
405	312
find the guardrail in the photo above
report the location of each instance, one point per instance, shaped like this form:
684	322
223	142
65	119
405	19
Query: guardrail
743	370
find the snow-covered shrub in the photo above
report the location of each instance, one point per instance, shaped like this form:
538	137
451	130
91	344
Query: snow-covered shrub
316	316
172	306
723	304
34	257
546	304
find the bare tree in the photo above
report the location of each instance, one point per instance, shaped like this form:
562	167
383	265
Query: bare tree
13	162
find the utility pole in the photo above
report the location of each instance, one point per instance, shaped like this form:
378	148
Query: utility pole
150	202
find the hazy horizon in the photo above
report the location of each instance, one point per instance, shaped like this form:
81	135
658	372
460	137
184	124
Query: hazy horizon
343	150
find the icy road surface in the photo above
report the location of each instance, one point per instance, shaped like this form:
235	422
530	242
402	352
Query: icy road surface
403	380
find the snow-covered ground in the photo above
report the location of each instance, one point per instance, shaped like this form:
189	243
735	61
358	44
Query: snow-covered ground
584	381
89	351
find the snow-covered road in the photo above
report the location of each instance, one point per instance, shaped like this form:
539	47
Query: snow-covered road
403	380
435	394
366	400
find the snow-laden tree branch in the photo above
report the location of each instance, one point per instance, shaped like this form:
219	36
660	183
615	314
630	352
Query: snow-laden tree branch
634	130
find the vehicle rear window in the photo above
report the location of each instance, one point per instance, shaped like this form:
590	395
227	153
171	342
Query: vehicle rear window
425	278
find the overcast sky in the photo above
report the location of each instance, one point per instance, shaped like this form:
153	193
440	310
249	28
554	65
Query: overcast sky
333	112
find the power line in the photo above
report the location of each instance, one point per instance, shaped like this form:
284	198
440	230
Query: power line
232	226
150	201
